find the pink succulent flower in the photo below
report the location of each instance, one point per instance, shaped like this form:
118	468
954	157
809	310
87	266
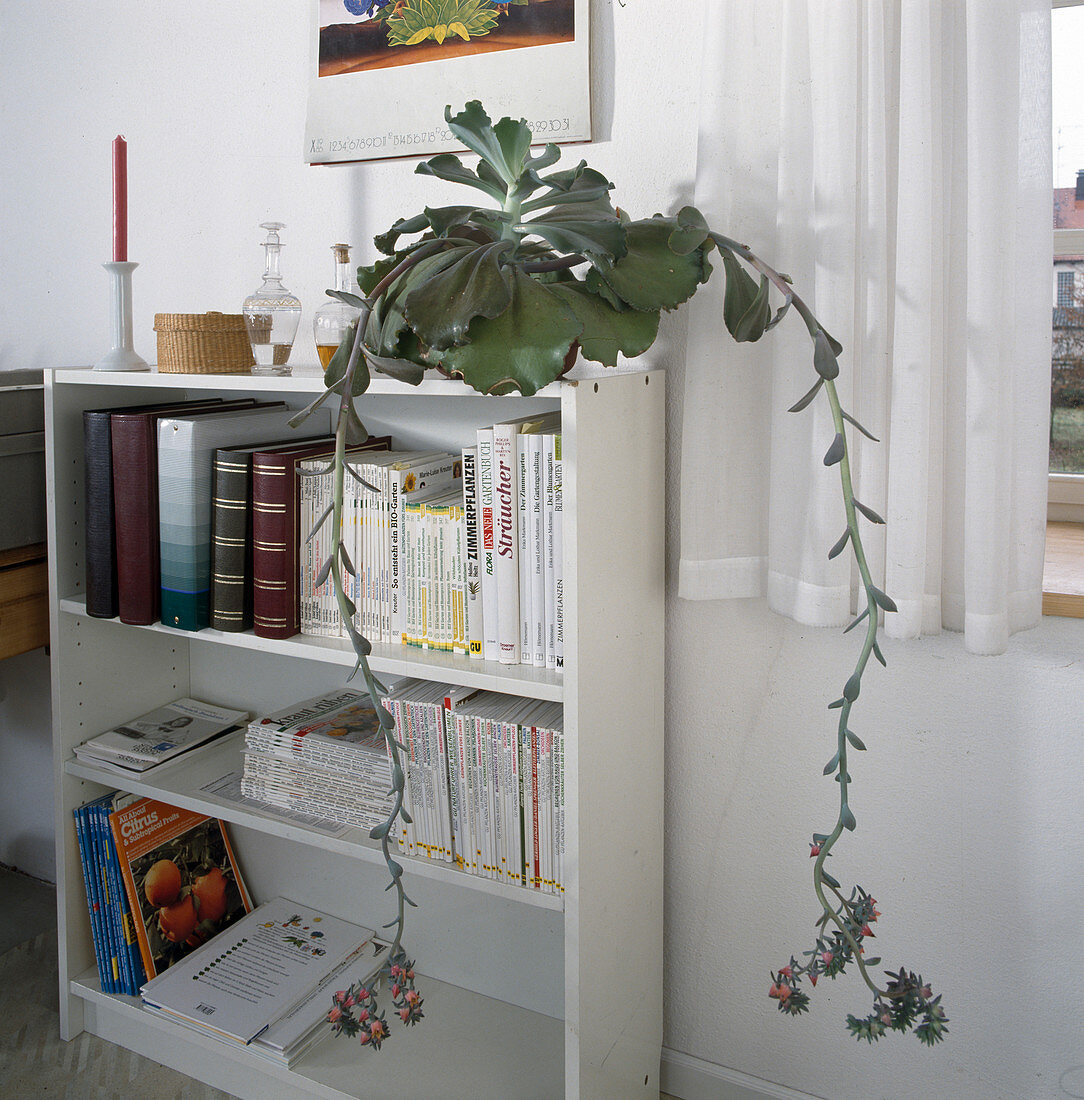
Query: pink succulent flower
335	1015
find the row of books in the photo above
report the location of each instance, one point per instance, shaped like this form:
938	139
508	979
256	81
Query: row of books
196	516
484	774
484	781
159	881
172	923
468	564
150	521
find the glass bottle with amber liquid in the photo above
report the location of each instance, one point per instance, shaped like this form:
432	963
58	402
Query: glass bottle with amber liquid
334	319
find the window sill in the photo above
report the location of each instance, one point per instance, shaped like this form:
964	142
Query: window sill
1063	574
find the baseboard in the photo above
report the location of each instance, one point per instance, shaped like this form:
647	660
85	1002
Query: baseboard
691	1078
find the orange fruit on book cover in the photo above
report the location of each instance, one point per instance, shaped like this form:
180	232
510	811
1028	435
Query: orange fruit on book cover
178	921
210	893
162	883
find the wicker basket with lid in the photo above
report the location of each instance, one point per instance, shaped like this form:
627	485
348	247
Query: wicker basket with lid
203	343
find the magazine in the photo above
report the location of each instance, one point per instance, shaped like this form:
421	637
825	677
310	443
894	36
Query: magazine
160	734
181	878
241	982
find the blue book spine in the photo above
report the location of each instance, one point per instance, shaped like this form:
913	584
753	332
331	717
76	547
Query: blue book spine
93	902
108	916
116	901
128	910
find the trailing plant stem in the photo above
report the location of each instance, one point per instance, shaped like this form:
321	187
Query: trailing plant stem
869	642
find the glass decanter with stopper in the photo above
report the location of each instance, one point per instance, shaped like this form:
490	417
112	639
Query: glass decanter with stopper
334	319
271	313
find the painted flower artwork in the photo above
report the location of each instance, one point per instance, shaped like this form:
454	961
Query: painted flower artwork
356	35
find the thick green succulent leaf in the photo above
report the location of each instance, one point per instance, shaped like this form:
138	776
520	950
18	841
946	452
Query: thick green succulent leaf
589	229
347	297
474	128
551	154
371	276
447	166
607	331
740	296
587	186
692	230
336	368
388	242
441	307
598	285
754	322
652	275
387	323
446	218
403	370
524	347
514	138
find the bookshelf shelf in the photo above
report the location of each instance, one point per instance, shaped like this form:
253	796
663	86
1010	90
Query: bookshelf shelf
535	683
523	985
469	1037
189	781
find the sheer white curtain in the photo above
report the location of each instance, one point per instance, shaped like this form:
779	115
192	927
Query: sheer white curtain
893	157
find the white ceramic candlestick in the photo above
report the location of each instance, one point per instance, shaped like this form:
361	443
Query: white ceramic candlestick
122	355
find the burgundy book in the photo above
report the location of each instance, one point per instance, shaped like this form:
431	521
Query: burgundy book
276	532
135	504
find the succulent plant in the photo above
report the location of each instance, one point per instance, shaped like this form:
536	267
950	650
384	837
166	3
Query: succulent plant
501	292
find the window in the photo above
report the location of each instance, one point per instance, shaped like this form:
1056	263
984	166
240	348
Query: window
1065	289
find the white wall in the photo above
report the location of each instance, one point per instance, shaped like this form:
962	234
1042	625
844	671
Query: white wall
969	818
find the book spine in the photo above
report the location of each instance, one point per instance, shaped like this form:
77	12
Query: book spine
451	742
275	535
100	542
231	541
135	500
506	542
487	549
515	817
549	584
304	552
110	901
537	542
559	810
472	571
459	579
87	859
558	557
466	807
523	522
185	597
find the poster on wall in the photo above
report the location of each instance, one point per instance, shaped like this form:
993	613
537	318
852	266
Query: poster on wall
383	72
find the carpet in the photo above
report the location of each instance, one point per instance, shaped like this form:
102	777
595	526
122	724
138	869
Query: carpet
36	1062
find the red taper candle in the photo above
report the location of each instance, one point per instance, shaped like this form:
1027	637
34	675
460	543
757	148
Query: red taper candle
120	199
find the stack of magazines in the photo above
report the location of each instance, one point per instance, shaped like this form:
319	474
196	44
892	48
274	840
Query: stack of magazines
325	756
267	981
159	735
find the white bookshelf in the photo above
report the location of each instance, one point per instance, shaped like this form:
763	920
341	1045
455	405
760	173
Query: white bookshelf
526	995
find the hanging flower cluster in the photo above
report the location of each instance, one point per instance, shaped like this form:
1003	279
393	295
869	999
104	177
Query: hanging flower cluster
905	1003
355	1013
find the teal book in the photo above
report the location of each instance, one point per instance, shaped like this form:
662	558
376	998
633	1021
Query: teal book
186	447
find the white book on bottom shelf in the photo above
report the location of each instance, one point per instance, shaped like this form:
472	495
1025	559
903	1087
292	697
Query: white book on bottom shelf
255	972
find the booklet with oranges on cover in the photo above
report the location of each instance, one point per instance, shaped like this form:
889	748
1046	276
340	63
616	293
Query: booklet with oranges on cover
181	877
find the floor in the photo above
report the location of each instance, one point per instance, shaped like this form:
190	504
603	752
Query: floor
29	907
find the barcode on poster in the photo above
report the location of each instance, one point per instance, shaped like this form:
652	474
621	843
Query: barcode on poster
207	1010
